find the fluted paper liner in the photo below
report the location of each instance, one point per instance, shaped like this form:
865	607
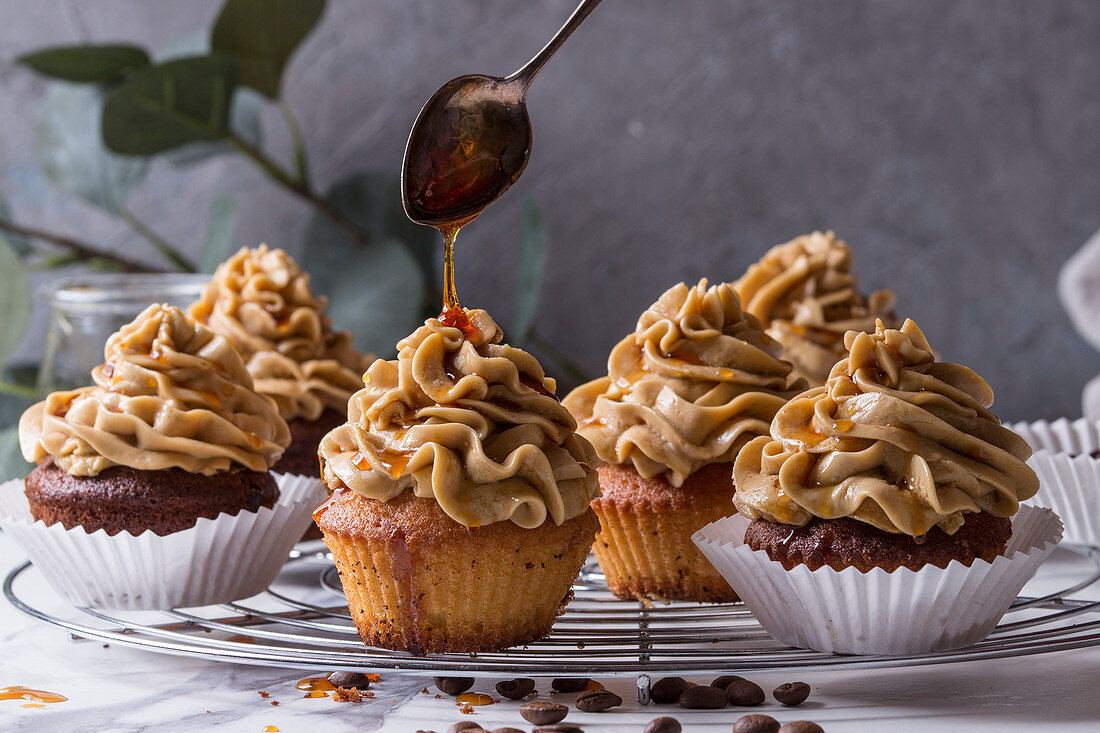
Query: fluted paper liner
1069	473
217	560
903	612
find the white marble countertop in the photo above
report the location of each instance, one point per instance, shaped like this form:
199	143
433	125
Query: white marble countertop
122	689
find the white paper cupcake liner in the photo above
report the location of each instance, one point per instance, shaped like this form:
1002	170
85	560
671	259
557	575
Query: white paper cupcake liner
1070	485
217	560
1075	437
903	612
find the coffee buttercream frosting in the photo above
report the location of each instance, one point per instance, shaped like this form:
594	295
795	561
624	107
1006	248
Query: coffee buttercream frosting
170	394
467	420
807	298
261	301
696	380
894	438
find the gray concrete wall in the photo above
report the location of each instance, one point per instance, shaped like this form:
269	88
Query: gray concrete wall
955	144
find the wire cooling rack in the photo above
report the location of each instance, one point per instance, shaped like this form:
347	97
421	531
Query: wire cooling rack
302	622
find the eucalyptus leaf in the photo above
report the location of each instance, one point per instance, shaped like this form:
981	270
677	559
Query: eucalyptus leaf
71	152
244	112
262	35
12	463
15	299
376	290
529	275
171	104
221	224
19	243
86	63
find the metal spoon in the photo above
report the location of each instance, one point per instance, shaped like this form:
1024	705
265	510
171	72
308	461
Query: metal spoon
472	140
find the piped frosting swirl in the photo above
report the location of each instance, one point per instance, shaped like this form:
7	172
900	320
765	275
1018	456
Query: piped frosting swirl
468	420
261	301
170	394
894	438
807	298
696	380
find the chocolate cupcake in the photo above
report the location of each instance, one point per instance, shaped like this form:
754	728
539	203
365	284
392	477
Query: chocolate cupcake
460	514
261	302
171	432
696	381
807	298
895	462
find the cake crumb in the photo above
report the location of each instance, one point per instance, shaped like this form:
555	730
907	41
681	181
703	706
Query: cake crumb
264	693
466	710
275	702
347	694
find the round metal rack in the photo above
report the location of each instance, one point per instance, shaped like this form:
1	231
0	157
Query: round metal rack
300	623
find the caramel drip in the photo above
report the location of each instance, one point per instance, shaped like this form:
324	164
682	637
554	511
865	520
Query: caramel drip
18	692
315	686
474	698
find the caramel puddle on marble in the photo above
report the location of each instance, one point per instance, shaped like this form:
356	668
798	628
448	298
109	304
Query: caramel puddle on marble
34	698
474	698
315	686
270	729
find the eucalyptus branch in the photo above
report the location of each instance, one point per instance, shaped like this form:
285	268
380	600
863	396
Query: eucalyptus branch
160	243
298	188
18	390
298	140
86	251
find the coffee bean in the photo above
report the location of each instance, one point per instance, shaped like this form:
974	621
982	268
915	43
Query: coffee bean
667	690
724	681
703	696
541	712
516	689
568	684
756	723
801	726
558	728
464	725
350	680
505	730
791	693
663	724
593	701
744	693
454	685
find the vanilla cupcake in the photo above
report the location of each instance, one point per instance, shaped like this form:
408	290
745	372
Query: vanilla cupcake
807	298
696	381
262	303
460	514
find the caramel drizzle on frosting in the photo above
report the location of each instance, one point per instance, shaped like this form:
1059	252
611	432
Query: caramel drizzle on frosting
807	298
261	301
696	380
894	438
171	394
469	421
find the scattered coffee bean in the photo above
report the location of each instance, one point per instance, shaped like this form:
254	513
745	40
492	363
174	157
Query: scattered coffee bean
559	728
568	684
516	689
801	726
506	730
463	725
703	696
350	680
724	681
744	693
667	690
541	712
791	693
663	724
454	685
756	723
593	701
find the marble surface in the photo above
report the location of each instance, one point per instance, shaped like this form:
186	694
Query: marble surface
115	688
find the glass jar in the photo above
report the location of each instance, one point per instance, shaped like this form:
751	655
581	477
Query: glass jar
85	310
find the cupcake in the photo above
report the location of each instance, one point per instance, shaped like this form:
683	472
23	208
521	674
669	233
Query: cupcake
696	381
261	302
806	297
882	515
895	462
460	509
170	432
152	487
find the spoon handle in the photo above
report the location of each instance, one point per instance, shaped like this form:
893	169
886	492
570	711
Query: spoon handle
527	73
